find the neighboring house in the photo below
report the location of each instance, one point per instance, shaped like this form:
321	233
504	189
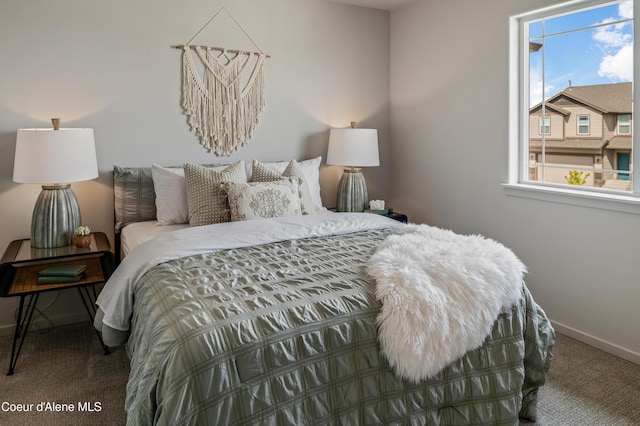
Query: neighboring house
585	128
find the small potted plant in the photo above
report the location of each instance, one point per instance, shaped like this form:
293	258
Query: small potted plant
82	238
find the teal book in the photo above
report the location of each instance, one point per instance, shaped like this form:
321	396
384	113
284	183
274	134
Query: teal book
66	271
59	279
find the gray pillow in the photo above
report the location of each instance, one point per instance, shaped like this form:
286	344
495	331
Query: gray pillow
134	197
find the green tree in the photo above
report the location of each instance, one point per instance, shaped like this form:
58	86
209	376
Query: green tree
577	177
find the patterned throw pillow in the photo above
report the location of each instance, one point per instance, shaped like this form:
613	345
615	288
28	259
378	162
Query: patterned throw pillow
257	200
311	169
206	200
263	173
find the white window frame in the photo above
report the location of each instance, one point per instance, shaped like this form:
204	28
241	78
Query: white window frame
578	132
545	125
517	182
629	124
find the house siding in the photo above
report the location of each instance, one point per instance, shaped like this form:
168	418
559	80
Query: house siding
589	153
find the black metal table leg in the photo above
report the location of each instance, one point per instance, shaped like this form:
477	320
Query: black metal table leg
90	306
22	328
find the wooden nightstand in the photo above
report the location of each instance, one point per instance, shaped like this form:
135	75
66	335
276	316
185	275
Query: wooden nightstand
19	269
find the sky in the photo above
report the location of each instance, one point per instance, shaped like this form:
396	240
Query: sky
574	55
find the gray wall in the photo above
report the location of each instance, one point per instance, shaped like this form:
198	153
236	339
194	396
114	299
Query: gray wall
449	120
108	66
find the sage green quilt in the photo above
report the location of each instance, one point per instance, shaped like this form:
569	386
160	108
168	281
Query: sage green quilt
285	334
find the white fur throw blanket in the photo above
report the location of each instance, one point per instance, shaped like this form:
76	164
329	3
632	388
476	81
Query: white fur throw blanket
441	293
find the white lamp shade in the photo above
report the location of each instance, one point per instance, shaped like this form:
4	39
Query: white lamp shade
353	147
47	156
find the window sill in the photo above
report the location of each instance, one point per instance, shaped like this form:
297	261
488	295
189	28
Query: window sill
599	200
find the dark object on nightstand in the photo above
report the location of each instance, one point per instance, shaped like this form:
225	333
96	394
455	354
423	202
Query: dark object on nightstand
19	271
400	217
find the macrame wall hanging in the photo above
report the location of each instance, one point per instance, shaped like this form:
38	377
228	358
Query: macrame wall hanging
220	106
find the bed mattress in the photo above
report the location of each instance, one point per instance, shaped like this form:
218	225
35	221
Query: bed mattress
136	234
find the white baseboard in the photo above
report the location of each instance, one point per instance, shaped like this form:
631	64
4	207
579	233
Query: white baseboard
39	323
596	342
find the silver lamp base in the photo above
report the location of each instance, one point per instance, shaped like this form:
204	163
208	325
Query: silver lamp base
56	215
352	191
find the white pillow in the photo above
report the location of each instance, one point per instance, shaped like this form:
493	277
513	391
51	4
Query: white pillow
311	169
256	200
171	195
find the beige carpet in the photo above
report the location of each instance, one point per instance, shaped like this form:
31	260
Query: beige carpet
586	387
64	365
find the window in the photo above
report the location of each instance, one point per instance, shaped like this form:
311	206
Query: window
624	124
573	63
583	124
545	125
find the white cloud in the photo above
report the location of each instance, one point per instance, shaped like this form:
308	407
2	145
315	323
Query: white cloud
535	88
617	43
625	9
618	66
612	36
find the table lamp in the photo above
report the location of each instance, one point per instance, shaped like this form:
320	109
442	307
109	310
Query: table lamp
353	148
55	158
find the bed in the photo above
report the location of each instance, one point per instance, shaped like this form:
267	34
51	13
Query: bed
287	320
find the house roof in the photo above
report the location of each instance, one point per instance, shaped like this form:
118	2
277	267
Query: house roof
587	144
608	98
620	142
553	107
613	98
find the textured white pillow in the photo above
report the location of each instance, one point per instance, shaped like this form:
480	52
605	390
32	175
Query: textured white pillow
207	201
257	200
171	195
311	169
